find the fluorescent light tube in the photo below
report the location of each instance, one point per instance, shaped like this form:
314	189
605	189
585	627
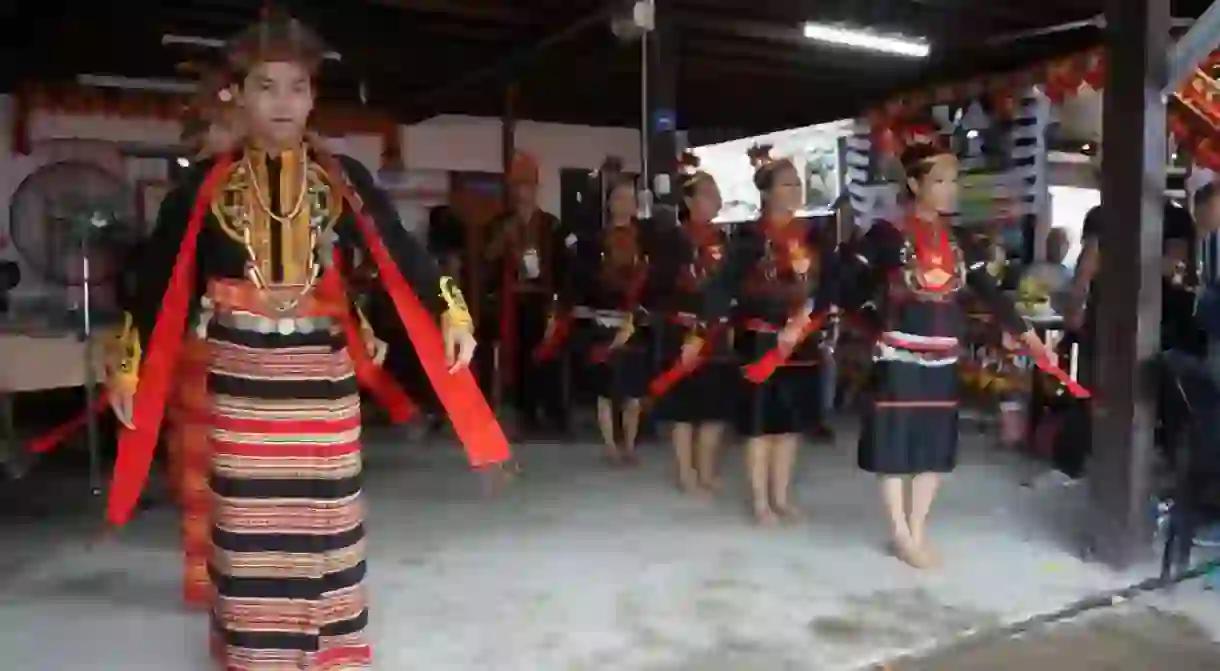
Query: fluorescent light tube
213	43
859	39
136	83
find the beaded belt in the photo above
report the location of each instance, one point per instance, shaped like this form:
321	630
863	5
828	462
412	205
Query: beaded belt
245	321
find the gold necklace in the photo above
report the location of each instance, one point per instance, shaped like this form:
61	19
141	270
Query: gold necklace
302	191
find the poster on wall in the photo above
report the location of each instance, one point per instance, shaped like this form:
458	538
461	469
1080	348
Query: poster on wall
822	177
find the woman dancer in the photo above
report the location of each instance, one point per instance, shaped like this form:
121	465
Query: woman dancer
700	403
619	353
779	273
256	254
212	131
914	277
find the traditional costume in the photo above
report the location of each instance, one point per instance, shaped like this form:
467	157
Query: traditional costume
913	281
777	271
693	253
250	252
610	307
187	441
527	259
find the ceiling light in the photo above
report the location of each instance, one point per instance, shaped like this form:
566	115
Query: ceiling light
213	43
859	39
136	83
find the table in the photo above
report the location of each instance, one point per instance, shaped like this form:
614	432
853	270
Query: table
40	361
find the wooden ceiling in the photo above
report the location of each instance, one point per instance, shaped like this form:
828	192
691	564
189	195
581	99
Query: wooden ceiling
744	65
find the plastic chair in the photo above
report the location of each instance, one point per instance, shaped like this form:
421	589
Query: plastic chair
1197	457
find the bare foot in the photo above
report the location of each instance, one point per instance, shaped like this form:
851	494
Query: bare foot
908	553
688	481
631	459
613	459
931	556
789	513
709	485
765	517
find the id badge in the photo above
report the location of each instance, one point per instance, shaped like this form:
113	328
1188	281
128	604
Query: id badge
531	264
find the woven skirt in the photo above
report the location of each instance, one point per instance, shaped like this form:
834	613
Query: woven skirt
288	536
707	395
788	402
190	456
910	423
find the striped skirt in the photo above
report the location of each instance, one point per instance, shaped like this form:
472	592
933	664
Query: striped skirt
288	535
189	462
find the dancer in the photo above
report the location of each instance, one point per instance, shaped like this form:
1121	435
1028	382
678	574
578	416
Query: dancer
211	131
701	403
779	272
527	253
913	277
258	257
618	352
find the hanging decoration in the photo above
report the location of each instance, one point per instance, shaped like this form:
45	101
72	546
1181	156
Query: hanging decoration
329	119
1193	119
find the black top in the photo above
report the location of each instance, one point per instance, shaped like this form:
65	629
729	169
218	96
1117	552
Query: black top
1178	327
679	272
879	258
446	234
221	257
734	291
584	283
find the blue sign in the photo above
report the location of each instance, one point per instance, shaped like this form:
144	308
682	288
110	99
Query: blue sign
663	121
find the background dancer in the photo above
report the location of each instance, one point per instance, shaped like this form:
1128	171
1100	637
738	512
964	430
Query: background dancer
267	236
913	278
527	256
779	273
701	403
613	272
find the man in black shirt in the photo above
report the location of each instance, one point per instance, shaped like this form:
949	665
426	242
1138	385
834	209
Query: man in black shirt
1180	272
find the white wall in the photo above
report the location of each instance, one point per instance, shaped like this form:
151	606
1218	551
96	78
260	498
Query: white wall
454	142
445	143
729	162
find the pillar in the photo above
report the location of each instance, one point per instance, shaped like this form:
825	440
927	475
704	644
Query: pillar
1129	307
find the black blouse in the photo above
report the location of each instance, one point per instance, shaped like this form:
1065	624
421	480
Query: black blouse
726	293
879	259
219	256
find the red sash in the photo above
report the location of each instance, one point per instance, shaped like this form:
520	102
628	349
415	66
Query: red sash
472	418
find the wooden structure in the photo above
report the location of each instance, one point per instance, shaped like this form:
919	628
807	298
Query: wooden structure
736	68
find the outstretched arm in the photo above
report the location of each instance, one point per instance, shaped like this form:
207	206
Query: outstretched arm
417	266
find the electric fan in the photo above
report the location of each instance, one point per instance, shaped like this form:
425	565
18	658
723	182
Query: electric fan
69	221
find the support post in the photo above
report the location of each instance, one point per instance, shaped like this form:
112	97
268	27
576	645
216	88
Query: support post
1129	307
661	124
508	147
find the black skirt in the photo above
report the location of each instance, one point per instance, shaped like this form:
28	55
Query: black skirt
790	401
706	395
625	374
910	422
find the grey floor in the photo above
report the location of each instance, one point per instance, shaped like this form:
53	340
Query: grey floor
580	568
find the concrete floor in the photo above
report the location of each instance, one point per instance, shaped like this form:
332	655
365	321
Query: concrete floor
578	568
1171	631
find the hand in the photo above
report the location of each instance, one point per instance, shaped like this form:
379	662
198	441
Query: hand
459	348
691	349
621	338
1038	349
122	402
1010	343
376	348
790	336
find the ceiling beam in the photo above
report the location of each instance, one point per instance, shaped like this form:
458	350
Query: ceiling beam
496	11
